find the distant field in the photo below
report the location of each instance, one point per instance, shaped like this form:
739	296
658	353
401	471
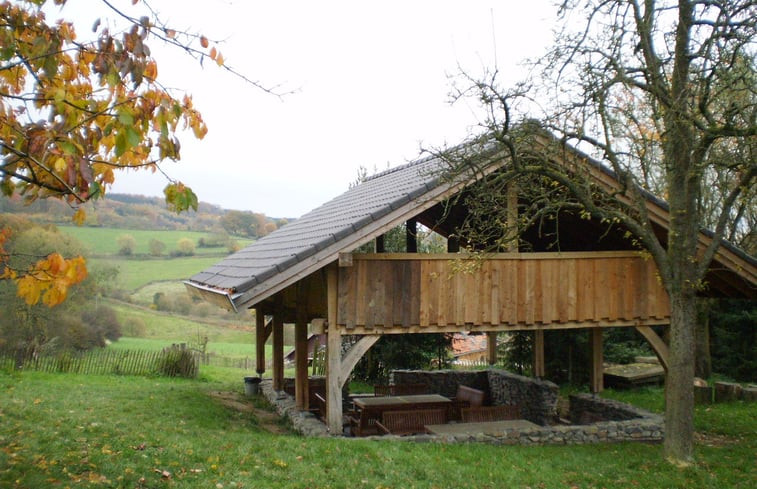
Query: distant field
135	273
230	350
103	241
176	329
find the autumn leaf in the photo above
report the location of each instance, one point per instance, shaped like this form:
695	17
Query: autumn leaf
203	41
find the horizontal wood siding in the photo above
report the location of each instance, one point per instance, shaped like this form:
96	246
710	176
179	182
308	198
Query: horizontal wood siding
428	291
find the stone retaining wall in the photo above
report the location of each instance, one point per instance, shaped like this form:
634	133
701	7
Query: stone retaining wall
536	398
618	421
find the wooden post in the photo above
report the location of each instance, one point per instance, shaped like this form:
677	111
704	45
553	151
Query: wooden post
260	338
278	349
453	244
539	369
596	374
491	347
301	352
411	228
380	244
334	356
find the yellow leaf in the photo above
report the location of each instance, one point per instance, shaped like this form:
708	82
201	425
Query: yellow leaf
54	295
79	216
219	59
59	165
29	289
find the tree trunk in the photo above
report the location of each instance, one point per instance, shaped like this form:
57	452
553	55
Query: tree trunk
679	388
703	365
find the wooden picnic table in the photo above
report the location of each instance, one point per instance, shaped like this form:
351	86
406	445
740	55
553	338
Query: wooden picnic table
371	409
479	428
415	401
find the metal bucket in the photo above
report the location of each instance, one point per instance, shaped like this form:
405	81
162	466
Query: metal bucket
252	385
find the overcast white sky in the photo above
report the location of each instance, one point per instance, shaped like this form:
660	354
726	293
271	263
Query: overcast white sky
371	82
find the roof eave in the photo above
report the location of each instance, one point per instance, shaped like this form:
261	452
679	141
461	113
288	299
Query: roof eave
219	297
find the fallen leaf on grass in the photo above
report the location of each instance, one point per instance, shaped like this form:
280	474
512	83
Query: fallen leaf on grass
163	473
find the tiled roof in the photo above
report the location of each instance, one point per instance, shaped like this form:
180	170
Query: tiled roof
322	227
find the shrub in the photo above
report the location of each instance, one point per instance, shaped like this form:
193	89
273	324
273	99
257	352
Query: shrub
157	247
177	361
126	244
134	327
185	247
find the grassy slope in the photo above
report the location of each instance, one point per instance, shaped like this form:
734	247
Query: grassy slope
103	241
136	273
68	430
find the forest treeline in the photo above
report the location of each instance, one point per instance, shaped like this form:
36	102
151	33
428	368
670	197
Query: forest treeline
140	212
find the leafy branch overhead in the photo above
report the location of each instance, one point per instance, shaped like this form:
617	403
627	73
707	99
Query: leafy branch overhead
72	112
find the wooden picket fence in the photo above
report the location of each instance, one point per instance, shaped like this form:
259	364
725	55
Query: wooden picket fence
171	362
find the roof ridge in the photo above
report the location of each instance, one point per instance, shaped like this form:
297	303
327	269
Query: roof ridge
409	164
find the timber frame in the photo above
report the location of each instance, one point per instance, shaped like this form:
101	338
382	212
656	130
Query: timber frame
307	273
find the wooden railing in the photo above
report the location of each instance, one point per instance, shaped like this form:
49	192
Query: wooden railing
502	291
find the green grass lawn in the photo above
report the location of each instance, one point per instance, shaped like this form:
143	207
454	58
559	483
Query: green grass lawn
66	430
135	273
177	329
103	241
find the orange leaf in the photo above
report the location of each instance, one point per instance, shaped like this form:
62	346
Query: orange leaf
151	70
213	53
203	41
79	216
29	289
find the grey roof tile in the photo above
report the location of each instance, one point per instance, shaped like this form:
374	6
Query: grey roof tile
324	226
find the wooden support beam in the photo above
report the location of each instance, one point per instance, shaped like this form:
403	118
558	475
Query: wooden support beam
301	351
453	244
411	228
380	243
278	350
657	344
539	370
333	356
596	374
262	332
355	354
491	347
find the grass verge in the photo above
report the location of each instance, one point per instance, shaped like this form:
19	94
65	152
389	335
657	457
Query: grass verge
59	430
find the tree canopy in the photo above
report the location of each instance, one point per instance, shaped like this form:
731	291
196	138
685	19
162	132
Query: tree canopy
664	93
74	111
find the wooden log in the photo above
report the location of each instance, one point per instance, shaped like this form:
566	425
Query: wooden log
301	352
491	347
539	369
334	356
727	391
278	351
260	337
596	374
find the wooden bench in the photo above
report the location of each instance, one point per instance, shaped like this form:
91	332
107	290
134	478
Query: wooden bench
411	421
464	398
320	405
489	413
363	422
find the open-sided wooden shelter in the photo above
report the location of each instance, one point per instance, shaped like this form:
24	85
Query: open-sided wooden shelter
307	273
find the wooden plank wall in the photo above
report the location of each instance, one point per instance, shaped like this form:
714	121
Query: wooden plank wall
508	289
